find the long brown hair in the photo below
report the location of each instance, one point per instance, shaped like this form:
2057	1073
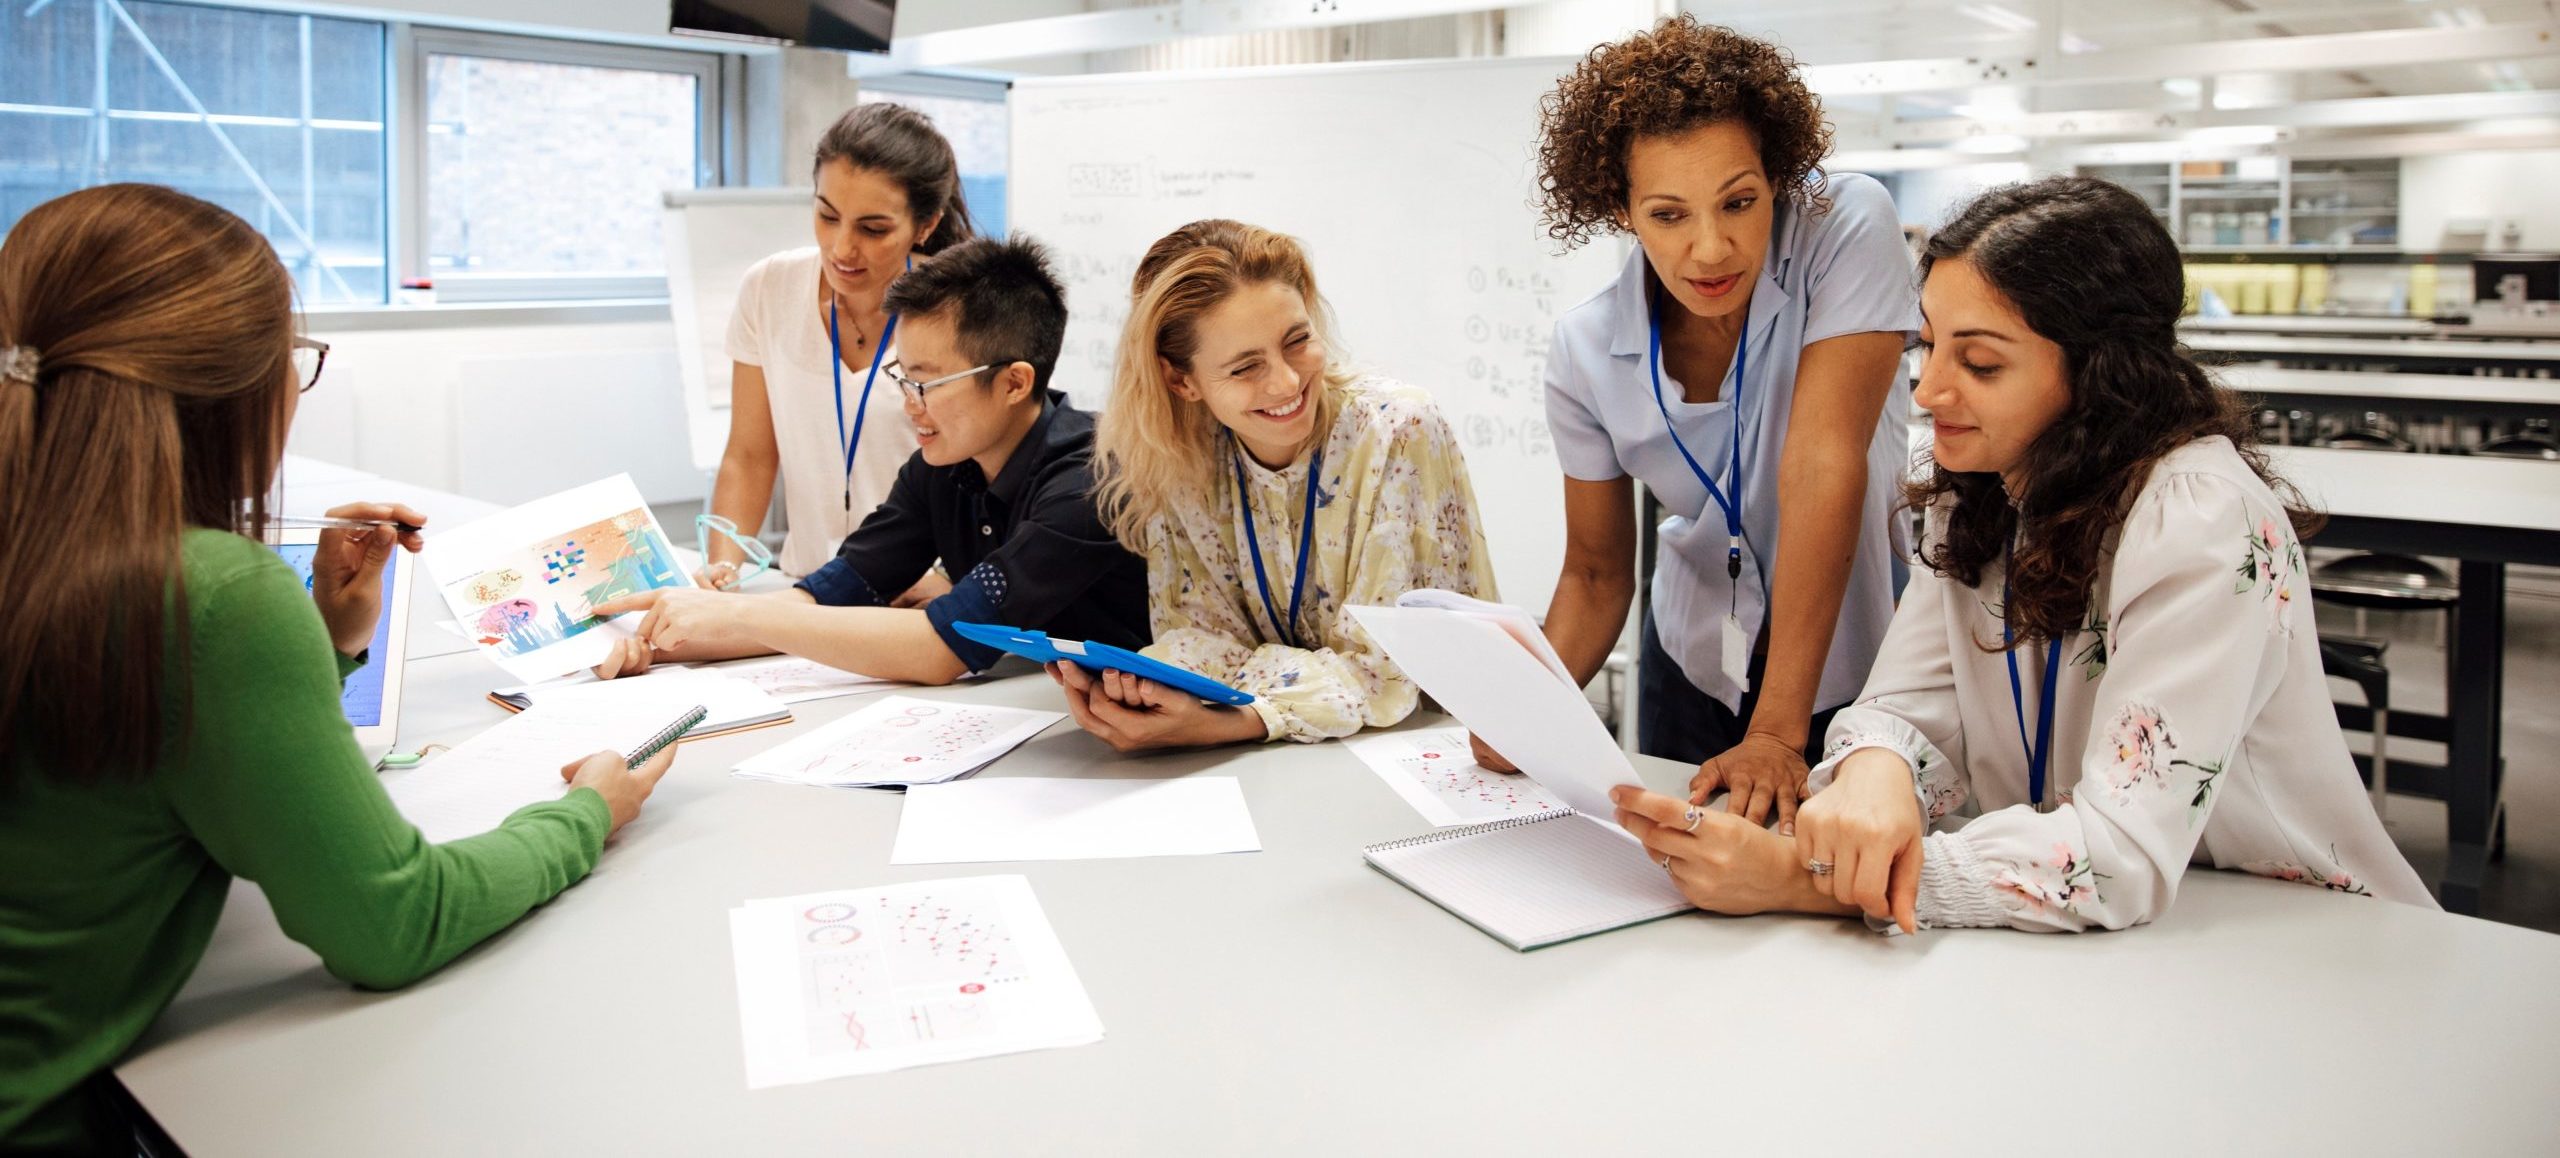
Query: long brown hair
902	145
2091	270
163	330
1149	444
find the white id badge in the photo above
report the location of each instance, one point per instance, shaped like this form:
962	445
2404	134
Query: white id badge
1737	652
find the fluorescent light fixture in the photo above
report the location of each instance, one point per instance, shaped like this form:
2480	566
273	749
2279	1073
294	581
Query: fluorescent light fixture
2183	86
1994	144
2236	135
2004	19
2074	43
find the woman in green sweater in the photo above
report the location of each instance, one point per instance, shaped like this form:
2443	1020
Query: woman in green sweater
169	713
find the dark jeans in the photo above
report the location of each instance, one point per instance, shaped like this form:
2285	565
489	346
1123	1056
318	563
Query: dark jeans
1676	721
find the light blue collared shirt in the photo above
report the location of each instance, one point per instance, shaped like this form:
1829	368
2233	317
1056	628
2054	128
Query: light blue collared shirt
1845	271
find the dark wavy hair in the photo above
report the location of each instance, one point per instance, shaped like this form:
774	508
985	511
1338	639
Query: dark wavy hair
2091	270
1675	78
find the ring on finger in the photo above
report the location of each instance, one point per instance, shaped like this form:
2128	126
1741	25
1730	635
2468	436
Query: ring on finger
1695	817
1820	868
1666	864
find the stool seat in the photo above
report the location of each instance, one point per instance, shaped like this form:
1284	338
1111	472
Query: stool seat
2384	582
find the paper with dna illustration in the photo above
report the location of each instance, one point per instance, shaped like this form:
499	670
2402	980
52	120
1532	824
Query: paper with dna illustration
866	981
898	741
521	582
1436	772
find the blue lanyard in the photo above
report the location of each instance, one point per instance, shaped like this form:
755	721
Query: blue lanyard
835	350
2040	749
1306	538
1732	506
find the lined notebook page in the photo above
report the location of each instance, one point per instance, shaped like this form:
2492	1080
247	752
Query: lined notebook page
1534	881
469	790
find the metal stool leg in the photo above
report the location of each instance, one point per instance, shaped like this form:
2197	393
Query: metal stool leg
2381	761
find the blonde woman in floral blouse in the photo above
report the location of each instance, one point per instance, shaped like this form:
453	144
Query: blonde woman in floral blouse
2105	668
1268	489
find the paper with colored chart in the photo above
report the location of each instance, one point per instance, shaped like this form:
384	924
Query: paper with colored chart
899	741
1436	772
521	582
871	980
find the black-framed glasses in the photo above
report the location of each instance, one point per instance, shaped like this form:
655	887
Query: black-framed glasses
309	355
915	390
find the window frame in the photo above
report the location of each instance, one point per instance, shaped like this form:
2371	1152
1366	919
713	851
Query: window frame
719	143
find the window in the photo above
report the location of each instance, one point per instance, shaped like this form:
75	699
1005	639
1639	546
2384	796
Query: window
972	116
275	117
546	162
367	151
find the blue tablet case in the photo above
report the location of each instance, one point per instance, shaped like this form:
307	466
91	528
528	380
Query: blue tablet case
1097	657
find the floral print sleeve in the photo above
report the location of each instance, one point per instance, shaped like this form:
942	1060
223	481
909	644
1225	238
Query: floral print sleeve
1395	513
2190	662
1909	704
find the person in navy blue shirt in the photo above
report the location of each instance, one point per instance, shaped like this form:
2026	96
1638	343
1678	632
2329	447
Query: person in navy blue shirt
999	491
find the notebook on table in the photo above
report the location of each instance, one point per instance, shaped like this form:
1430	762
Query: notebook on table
730	704
1531	880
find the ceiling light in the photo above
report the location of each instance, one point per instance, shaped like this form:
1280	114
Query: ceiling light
2004	19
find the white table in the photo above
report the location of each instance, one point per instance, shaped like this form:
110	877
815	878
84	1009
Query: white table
2469	352
2313	324
2488	513
2461	393
1292	1001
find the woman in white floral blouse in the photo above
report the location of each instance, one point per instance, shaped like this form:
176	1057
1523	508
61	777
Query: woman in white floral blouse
1268	489
2105	660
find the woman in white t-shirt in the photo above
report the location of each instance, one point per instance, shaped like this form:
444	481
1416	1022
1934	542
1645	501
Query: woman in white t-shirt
811	399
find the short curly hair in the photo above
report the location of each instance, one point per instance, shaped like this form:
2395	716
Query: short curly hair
1679	76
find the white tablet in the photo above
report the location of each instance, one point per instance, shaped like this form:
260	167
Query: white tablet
372	696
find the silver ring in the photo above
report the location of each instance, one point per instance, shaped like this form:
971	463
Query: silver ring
1696	817
1666	864
1820	868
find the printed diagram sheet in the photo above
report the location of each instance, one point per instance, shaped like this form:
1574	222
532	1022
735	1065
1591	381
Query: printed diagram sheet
871	980
522	582
793	680
1436	773
899	740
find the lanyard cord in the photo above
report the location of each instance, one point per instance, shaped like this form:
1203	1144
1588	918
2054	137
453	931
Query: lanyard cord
1306	539
2040	749
1731	506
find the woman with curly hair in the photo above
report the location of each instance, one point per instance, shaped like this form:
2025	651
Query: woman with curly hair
1743	366
2105	656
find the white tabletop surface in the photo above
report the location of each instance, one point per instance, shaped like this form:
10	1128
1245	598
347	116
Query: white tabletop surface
2475	350
2468	490
1292	1001
2388	388
2311	324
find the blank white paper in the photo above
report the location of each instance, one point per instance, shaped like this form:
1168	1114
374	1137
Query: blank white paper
1025	818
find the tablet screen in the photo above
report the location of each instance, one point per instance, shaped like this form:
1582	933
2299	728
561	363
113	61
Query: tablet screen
362	699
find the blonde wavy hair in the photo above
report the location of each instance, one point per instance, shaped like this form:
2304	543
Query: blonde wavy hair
1150	443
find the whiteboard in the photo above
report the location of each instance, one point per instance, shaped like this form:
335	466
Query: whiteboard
1413	186
712	236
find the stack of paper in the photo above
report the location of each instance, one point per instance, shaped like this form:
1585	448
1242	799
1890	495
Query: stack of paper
467	791
898	741
871	980
793	680
730	702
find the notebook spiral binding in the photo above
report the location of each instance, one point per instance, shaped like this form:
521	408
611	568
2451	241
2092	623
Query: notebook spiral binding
1469	830
668	735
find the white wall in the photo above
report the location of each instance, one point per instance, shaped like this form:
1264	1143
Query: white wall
503	412
2515	185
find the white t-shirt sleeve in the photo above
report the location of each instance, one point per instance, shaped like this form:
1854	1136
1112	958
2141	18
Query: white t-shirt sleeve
1583	445
746	339
1858	273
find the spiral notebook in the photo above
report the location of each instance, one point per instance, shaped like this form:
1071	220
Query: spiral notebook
1533	881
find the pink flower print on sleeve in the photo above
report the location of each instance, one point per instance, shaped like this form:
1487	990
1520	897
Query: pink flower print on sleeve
2271	566
2337	879
2063	881
2142	744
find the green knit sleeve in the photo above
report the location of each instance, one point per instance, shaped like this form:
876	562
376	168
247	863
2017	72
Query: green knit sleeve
273	785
